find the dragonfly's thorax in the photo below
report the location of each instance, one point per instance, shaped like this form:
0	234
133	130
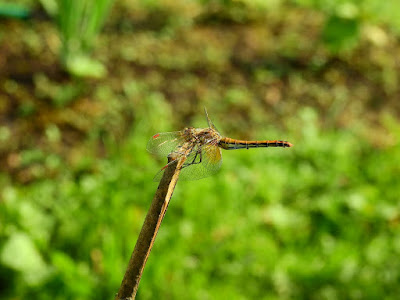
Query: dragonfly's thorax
201	135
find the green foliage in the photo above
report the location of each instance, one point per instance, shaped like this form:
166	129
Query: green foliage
315	221
10	10
30	265
340	34
344	18
80	21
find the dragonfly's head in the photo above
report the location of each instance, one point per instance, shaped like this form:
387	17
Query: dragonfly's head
188	130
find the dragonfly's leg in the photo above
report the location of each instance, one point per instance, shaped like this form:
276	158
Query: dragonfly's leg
193	162
198	153
201	157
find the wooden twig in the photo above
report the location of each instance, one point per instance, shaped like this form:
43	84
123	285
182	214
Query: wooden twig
154	217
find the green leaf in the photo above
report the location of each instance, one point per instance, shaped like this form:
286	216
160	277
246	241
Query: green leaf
11	10
84	66
340	33
19	253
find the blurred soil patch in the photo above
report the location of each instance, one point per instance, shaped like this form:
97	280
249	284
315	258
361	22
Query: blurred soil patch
259	69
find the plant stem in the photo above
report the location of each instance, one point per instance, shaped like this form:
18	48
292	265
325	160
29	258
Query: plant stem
155	215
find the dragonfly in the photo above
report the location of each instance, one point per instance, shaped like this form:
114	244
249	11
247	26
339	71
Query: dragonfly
200	148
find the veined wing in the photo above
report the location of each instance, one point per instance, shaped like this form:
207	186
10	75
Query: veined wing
162	144
203	161
210	123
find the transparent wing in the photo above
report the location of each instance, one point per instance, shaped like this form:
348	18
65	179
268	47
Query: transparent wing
162	144
203	161
210	123
160	173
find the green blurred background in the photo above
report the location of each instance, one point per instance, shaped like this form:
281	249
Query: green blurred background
83	86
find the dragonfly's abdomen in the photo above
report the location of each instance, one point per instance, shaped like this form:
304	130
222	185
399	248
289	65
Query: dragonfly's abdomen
232	144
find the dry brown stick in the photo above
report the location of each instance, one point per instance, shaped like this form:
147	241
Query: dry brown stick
154	217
